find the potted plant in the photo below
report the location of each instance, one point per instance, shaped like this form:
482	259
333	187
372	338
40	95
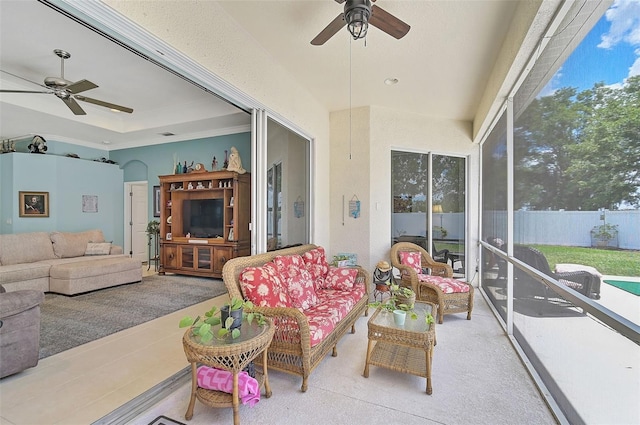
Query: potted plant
398	301
229	317
153	227
340	261
439	232
604	233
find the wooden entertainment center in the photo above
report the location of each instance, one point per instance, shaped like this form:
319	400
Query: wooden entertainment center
204	221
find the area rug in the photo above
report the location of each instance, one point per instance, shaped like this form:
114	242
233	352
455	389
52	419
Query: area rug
625	285
67	322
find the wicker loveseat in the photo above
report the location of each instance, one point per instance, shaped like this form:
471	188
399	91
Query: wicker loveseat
299	343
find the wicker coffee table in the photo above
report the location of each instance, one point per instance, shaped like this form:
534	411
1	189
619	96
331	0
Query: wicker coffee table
231	355
408	348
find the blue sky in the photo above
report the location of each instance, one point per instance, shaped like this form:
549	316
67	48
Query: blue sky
610	52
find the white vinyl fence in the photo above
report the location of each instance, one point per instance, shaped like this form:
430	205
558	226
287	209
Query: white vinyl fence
565	228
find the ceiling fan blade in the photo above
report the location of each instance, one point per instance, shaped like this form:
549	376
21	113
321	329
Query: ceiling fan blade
105	104
80	86
22	78
330	30
24	91
73	105
388	23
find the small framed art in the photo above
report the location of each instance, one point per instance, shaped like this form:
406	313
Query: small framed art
33	204
156	201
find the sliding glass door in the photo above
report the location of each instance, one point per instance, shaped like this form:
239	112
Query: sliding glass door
429	205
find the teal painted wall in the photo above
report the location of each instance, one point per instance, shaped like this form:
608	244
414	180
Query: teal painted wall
159	159
66	180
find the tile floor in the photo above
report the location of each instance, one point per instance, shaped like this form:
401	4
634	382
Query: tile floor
477	378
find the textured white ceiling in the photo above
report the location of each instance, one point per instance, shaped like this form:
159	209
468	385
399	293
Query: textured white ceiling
442	65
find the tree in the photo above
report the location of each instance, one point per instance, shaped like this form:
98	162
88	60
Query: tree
579	150
608	157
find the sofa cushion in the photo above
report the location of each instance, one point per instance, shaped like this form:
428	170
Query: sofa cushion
98	248
67	244
342	278
263	286
24	271
333	306
25	248
92	267
301	290
448	285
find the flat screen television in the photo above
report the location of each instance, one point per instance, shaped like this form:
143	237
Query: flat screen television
203	218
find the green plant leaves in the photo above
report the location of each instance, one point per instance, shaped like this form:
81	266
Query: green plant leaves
187	321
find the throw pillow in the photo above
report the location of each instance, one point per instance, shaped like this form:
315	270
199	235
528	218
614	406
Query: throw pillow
412	259
98	248
301	290
342	278
263	286
316	262
289	265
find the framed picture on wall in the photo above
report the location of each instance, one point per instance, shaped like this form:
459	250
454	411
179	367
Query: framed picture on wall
33	204
156	201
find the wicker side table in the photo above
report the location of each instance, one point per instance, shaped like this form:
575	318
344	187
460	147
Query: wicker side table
406	349
230	355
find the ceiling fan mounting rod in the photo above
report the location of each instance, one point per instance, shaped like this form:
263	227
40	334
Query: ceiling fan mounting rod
62	55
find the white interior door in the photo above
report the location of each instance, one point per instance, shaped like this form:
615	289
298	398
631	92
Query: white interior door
136	213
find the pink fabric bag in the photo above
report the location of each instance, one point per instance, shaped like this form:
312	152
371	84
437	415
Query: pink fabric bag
221	380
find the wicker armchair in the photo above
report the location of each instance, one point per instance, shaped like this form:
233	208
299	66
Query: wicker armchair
447	303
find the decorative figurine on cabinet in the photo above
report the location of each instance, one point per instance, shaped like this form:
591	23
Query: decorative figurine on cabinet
214	164
226	160
235	163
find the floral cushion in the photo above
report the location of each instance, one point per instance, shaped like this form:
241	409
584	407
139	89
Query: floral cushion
316	262
263	286
334	306
448	285
301	290
342	278
413	259
289	265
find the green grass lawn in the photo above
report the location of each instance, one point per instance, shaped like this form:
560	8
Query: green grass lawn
606	261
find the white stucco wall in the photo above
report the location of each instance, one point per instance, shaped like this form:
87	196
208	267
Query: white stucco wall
375	131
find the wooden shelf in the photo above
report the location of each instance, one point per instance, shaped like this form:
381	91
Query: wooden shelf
183	255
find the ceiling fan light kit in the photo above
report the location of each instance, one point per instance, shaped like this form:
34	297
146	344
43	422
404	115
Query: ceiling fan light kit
357	16
67	91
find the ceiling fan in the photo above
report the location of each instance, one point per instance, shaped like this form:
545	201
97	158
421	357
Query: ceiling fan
357	15
67	91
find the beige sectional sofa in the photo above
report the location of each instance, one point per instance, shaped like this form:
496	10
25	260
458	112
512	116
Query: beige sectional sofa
64	262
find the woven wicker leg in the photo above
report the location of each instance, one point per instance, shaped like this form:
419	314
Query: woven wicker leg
304	384
265	374
236	402
366	363
194	385
428	359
